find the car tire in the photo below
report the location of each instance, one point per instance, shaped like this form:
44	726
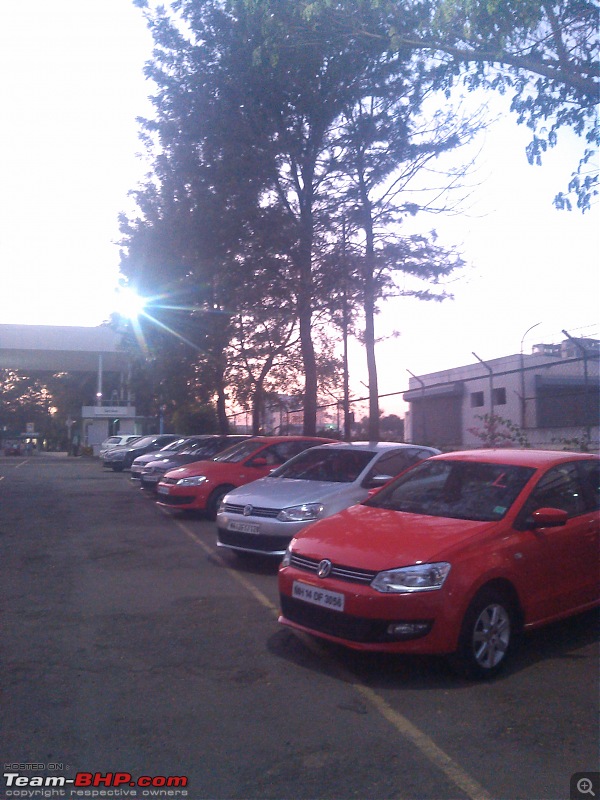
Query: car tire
487	635
214	501
117	467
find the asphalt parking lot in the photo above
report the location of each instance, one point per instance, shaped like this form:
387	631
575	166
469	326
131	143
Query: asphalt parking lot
131	646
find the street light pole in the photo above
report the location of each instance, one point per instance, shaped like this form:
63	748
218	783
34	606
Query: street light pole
586	416
522	365
491	373
423	415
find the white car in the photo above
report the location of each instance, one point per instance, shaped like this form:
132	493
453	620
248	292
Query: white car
263	516
116	441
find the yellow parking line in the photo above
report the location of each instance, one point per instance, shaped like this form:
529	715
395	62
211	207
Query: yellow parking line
428	748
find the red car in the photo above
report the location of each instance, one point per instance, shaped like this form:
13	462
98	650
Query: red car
455	556
201	485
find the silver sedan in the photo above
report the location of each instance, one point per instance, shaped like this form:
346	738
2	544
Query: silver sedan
263	516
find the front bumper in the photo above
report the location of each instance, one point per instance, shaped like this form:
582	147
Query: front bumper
372	620
179	497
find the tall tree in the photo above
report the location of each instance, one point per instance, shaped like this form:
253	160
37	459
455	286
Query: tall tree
544	54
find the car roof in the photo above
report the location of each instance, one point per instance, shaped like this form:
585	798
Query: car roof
525	458
378	447
296	438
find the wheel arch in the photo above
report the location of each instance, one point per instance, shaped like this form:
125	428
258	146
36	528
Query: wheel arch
505	587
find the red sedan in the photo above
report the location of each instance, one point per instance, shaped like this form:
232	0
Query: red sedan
454	557
201	485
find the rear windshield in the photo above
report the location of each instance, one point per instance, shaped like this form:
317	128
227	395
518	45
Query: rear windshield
334	466
455	489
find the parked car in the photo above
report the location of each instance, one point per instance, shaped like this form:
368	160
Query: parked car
117	441
262	516
202	485
139	462
120	458
195	448
455	556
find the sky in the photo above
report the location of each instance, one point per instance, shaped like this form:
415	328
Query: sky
71	87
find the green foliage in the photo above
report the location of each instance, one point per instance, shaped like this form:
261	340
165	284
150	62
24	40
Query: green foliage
496	431
582	444
195	419
544	54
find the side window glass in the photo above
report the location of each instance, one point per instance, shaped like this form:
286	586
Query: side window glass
590	477
559	488
268	454
287	450
391	464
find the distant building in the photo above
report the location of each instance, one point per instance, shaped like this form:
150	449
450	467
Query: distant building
551	396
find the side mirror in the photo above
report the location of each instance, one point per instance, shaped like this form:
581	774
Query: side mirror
549	518
377	481
259	462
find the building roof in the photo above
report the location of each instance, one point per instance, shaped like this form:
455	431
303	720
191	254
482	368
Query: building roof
60	348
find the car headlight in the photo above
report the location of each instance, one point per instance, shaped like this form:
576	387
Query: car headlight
287	558
303	513
420	578
194	480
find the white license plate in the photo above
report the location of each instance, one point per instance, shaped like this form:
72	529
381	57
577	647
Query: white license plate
163	490
318	597
243	527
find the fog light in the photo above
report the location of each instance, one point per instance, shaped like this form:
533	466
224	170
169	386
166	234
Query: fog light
408	630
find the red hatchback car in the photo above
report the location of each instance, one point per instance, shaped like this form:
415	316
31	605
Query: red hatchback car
200	486
455	556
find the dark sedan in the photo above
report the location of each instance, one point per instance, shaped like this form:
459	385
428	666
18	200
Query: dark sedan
120	458
197	448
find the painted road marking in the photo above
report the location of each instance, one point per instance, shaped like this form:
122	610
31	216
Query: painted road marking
434	754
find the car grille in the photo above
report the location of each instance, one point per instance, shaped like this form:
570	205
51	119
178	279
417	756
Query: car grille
257	511
170	481
252	541
351	574
181	500
334	623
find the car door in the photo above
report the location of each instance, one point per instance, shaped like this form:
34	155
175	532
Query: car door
562	561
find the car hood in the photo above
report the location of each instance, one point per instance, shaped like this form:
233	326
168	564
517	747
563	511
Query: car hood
172	462
284	492
190	470
376	538
146	458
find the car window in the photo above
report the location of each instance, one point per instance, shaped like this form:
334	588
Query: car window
143	442
393	463
558	488
319	464
239	452
590	478
455	489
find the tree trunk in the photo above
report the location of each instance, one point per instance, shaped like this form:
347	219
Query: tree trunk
305	297
369	308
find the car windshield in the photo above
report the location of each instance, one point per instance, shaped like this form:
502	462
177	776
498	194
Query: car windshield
318	464
195	446
455	489
142	442
239	452
176	445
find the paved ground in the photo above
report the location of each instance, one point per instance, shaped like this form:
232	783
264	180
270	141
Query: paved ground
130	645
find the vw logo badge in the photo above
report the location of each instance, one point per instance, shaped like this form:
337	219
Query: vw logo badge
247	511
324	568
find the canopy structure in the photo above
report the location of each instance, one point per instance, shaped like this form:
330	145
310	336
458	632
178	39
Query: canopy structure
63	348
